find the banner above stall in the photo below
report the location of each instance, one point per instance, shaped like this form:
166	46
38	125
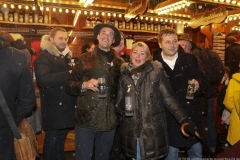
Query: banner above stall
217	15
136	8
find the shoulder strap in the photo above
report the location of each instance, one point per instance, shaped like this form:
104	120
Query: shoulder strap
9	117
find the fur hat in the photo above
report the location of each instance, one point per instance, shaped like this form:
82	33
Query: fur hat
187	37
117	37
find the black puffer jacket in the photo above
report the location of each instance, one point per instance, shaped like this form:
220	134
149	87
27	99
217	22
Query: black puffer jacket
151	93
52	73
96	113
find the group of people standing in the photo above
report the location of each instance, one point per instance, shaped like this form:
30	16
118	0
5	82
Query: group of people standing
156	83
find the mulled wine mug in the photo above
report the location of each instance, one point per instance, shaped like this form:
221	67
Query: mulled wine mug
128	106
190	90
101	87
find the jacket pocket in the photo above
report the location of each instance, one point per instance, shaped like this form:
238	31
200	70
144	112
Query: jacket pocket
85	111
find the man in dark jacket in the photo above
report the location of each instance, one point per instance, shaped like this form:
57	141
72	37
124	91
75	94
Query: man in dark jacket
181	67
232	55
52	69
217	72
17	88
96	117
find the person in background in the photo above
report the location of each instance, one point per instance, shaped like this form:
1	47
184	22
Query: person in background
121	49
96	118
214	71
180	67
17	88
52	71
225	114
19	43
232	54
35	45
33	118
144	133
185	41
232	103
117	145
87	48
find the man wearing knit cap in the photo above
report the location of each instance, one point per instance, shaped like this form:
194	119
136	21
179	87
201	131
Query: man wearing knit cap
207	98
232	54
186	43
96	117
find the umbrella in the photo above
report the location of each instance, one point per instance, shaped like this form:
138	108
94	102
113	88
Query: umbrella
200	139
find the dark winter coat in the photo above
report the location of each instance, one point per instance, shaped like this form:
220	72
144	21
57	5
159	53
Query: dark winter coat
232	58
17	88
213	67
186	68
150	94
52	73
95	113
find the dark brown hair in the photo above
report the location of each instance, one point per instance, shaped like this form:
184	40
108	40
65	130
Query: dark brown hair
54	31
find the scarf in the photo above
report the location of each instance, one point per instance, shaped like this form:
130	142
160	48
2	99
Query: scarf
135	73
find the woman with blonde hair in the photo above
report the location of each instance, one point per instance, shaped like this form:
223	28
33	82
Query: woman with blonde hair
144	84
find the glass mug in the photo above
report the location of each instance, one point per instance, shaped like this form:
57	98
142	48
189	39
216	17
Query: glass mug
101	87
190	90
128	106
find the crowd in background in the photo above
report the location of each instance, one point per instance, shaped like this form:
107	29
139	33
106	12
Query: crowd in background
156	83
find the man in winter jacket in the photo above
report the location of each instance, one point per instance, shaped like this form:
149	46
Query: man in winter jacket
181	67
217	72
17	88
96	117
52	69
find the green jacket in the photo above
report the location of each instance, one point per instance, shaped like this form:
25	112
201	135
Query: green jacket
92	112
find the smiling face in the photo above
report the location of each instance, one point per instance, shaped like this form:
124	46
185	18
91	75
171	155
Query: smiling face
105	38
139	55
59	40
186	45
169	45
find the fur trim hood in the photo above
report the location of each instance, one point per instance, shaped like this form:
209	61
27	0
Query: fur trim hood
47	45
